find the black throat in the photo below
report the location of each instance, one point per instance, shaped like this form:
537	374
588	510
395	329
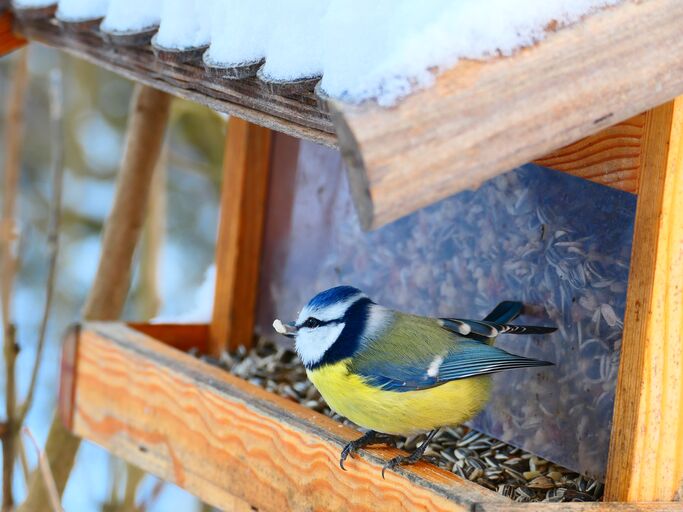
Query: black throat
355	319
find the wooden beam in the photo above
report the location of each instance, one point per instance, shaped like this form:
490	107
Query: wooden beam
295	114
611	157
9	40
220	437
646	450
246	165
483	118
183	337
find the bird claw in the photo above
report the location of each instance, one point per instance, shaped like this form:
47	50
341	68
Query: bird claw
370	437
413	457
349	449
400	461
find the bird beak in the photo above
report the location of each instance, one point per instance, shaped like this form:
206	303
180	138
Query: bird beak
288	330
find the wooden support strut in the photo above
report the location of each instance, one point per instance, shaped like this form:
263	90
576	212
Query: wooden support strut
646	450
246	165
9	41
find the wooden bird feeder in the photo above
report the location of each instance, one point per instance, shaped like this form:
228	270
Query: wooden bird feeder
597	100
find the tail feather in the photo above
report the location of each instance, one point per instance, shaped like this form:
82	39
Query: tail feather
504	312
526	329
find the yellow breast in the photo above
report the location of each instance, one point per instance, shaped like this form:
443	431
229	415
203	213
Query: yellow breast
400	413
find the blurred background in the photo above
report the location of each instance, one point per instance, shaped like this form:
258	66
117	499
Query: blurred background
186	206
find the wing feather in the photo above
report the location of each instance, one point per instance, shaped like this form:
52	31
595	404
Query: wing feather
466	358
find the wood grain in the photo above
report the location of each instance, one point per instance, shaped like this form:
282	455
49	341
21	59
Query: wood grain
610	157
9	41
296	114
246	166
646	450
483	118
218	437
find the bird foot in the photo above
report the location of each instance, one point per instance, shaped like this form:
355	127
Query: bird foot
371	437
403	460
414	457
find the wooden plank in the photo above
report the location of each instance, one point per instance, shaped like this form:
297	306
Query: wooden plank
246	165
180	336
581	507
218	436
483	118
9	41
646	450
610	157
296	114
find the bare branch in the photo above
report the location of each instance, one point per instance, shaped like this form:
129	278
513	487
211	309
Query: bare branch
153	495
57	145
149	297
46	473
14	134
23	459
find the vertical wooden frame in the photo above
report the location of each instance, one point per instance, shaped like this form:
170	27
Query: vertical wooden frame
246	165
9	41
646	451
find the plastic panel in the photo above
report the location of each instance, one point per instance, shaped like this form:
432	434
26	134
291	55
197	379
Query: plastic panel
558	243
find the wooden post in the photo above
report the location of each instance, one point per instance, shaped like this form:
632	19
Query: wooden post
246	165
9	41
146	128
646	450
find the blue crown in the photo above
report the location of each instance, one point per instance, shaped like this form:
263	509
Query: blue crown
332	296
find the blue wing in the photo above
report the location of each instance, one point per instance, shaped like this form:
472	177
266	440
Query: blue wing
467	358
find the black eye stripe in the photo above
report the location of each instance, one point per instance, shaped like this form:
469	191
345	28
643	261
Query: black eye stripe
312	323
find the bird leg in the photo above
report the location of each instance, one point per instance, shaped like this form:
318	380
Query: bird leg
370	437
413	457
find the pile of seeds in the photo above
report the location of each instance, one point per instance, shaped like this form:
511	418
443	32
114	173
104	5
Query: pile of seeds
470	454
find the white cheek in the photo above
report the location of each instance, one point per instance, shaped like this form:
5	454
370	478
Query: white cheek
311	344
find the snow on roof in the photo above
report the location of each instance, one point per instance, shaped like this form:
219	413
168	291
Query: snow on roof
77	10
132	15
381	49
184	24
386	48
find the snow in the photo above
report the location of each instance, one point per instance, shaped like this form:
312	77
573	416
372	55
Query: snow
293	47
387	48
81	10
132	15
32	4
239	31
184	24
383	49
202	310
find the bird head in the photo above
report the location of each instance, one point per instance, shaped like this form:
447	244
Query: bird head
333	325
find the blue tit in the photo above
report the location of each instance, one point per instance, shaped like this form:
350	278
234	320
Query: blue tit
395	373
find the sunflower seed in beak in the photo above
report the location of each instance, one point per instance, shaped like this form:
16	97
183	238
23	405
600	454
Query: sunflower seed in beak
288	330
